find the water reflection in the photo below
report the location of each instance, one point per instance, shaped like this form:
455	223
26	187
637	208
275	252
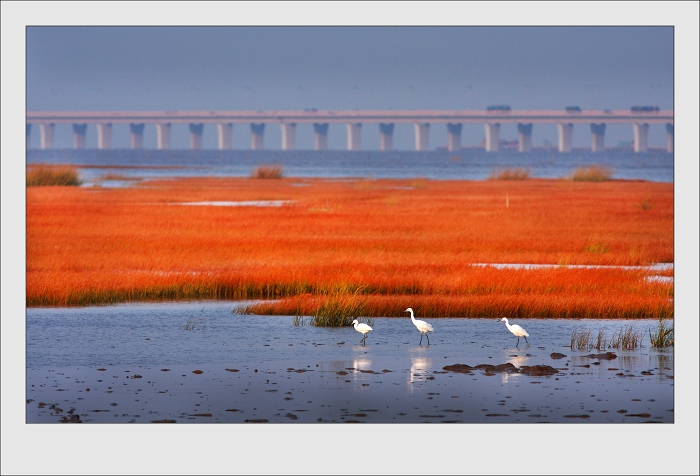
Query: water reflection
420	370
362	364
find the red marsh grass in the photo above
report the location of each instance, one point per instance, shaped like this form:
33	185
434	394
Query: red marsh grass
404	246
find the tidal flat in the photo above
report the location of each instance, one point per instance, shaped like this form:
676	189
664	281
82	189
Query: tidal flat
200	362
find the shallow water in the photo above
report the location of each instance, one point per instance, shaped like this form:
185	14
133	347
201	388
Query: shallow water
142	363
466	164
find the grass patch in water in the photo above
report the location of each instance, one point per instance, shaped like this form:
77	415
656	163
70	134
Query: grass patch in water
192	324
594	173
510	174
267	172
580	339
627	339
47	175
116	176
663	336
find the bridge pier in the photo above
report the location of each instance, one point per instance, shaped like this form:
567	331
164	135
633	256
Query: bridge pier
256	136
104	136
196	131
354	130
421	130
386	136
136	135
46	135
492	136
163	135
225	131
641	133
454	136
320	136
597	137
288	132
565	133
79	133
669	138
524	137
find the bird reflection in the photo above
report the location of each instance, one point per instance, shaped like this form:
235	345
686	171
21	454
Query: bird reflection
420	368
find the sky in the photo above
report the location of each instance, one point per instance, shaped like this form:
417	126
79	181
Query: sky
349	67
609	64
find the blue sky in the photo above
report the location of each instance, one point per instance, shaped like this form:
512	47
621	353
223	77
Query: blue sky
349	67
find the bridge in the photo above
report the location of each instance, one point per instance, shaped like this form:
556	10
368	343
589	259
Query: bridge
640	120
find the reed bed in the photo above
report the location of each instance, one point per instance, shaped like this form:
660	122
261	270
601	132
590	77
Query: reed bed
265	171
48	175
399	245
628	338
664	335
580	339
117	176
510	174
593	173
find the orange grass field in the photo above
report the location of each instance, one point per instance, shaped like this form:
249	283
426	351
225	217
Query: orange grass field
390	244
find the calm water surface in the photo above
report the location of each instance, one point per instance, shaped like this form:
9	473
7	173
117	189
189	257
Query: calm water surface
145	363
467	164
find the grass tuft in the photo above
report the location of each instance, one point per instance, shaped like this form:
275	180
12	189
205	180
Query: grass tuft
339	309
664	335
418	184
627	338
510	174
581	339
47	175
594	173
192	323
267	172
601	340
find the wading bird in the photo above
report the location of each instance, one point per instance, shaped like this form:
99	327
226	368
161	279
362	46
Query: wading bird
516	330
422	326
363	329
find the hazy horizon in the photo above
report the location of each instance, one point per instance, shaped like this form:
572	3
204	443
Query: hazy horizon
348	67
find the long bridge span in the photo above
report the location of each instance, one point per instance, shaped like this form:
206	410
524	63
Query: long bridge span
353	120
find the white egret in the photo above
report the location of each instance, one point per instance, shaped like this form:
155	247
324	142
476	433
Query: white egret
516	330
422	326
362	328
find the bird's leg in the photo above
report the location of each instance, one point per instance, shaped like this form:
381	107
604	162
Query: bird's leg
516	344
426	336
526	340
421	339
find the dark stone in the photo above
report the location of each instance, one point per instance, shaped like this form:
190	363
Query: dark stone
538	370
460	368
507	367
605	355
557	355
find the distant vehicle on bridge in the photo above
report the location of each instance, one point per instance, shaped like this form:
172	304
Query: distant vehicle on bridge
644	109
498	107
